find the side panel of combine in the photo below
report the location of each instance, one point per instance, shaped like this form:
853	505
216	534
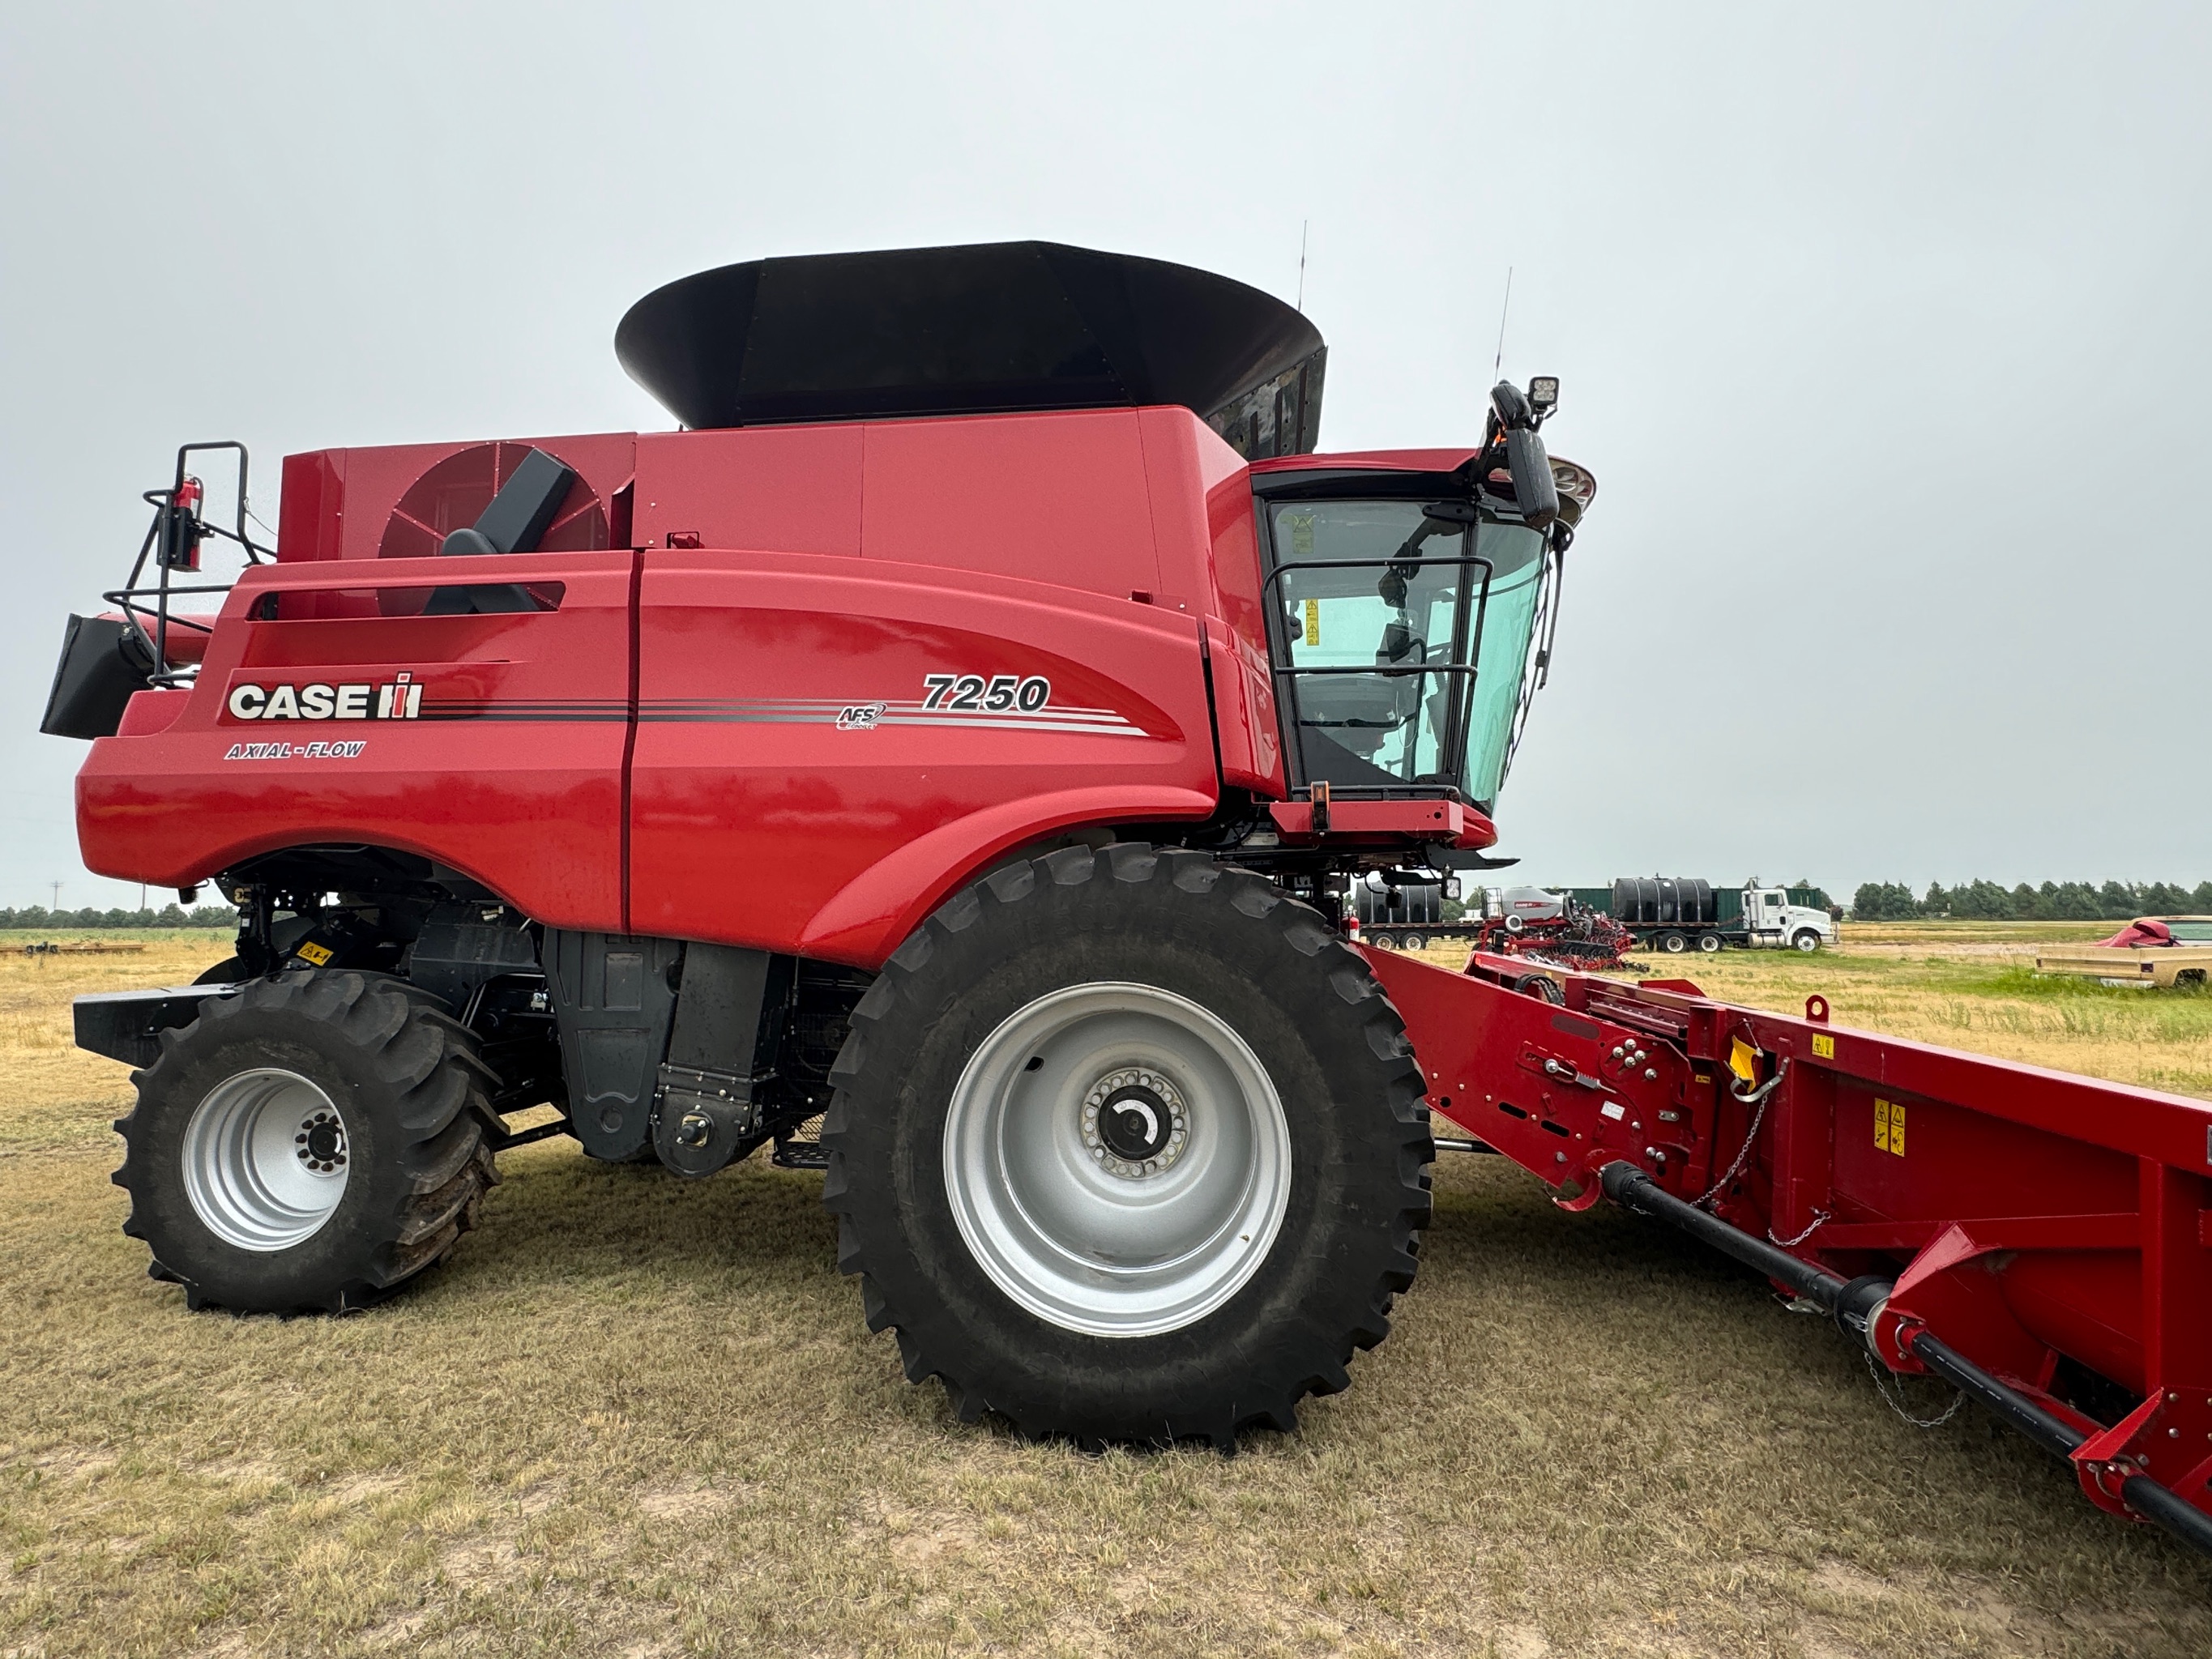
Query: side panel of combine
490	742
826	747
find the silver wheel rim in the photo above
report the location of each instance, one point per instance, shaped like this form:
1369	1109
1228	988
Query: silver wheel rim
1046	1168
266	1160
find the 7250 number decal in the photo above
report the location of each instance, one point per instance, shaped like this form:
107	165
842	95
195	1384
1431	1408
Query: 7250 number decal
996	694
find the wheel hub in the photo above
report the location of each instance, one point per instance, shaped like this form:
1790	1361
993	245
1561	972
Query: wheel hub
321	1143
1134	1123
265	1160
1117	1159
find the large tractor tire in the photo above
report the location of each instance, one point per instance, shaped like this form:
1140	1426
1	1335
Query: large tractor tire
1129	1147
308	1144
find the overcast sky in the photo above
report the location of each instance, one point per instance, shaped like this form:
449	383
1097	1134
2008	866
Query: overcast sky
1883	328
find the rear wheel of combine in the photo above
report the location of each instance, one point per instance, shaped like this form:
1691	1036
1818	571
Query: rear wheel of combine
309	1143
1127	1146
1709	944
1807	940
1674	944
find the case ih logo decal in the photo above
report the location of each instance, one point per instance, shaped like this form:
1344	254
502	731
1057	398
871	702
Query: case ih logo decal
400	699
1005	702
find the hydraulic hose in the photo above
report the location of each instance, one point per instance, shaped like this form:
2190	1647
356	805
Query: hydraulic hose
1852	1303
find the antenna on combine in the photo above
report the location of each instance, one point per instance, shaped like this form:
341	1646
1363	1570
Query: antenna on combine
1503	311
1303	226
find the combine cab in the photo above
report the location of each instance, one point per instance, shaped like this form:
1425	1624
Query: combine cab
946	760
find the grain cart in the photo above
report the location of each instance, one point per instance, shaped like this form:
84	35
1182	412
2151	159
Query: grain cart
960	737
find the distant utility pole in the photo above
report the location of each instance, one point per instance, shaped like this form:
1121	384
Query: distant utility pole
57	894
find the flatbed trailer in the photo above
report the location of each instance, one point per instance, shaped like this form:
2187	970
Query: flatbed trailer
1416	936
2041	1242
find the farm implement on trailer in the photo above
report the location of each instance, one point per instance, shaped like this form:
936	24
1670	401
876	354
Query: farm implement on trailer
946	760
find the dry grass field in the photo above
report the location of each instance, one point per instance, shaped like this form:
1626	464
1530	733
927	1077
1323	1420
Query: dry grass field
638	1415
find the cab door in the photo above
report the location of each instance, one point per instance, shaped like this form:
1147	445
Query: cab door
1770	914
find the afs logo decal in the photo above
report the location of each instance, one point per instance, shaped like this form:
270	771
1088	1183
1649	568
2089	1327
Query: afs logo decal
401	699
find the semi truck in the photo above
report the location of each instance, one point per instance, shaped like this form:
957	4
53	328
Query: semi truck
1676	914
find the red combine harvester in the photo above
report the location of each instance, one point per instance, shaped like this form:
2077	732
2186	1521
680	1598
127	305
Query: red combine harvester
960	735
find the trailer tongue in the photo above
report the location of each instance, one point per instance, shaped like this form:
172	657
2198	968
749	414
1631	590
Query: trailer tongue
2040	1241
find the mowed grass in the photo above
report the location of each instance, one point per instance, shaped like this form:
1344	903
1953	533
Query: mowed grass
635	1414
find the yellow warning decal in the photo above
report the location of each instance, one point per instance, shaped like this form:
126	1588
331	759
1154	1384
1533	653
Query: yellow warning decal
317	954
1824	1048
1889	1126
1743	1060
1312	622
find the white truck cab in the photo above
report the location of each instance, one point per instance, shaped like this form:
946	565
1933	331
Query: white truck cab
1770	920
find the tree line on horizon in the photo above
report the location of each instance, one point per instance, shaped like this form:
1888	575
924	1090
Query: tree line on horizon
2054	901
169	915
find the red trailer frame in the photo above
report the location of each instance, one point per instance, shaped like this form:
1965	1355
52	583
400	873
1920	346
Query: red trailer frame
1995	1224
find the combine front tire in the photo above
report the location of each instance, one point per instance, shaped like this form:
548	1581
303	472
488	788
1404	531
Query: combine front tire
1127	1146
309	1143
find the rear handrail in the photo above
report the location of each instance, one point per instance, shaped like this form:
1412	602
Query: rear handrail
173	541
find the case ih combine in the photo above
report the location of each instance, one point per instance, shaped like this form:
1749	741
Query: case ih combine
964	732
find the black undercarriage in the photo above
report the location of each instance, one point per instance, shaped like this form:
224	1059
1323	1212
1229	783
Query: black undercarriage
693	1053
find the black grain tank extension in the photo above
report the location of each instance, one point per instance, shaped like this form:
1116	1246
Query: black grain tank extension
987	328
1418	903
1664	901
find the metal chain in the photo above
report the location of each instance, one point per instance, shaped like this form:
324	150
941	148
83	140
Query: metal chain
1821	1218
1761	1096
1896	1402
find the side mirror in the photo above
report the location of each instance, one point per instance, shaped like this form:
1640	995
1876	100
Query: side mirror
1535	490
